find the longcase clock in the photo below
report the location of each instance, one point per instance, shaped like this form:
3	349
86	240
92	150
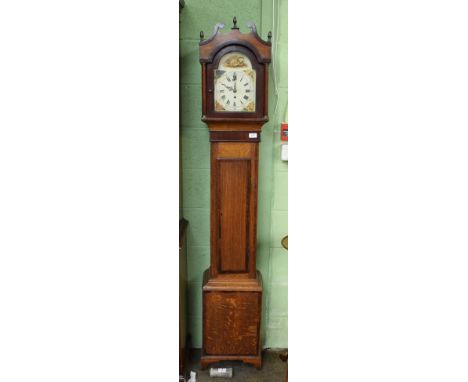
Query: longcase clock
234	106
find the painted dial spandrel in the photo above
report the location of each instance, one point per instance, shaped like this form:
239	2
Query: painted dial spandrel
235	84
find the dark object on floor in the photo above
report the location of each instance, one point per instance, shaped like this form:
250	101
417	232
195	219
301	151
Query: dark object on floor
273	369
284	358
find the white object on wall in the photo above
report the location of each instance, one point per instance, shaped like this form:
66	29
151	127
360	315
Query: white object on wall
284	152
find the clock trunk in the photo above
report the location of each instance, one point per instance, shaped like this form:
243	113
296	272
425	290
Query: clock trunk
234	168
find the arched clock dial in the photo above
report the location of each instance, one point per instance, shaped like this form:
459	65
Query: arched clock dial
235	84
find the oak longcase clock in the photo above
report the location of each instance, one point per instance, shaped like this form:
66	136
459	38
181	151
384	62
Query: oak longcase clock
234	106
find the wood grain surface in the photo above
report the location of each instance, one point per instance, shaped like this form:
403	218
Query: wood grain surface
232	322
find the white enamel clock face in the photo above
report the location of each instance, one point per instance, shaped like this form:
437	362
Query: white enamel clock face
235	84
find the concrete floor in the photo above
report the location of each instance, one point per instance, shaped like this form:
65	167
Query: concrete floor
273	369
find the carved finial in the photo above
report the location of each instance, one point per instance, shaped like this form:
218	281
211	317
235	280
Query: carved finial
252	27
234	21
269	36
216	29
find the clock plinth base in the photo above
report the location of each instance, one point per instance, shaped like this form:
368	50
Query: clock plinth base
232	311
255	361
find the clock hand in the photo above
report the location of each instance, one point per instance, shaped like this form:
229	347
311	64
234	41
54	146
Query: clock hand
234	77
227	87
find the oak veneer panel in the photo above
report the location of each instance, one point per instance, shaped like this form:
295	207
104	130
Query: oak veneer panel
231	323
237	150
233	183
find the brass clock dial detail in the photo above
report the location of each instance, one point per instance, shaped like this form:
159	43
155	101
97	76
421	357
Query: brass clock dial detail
234	83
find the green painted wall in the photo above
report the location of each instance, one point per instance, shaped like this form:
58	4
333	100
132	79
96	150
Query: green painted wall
273	173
